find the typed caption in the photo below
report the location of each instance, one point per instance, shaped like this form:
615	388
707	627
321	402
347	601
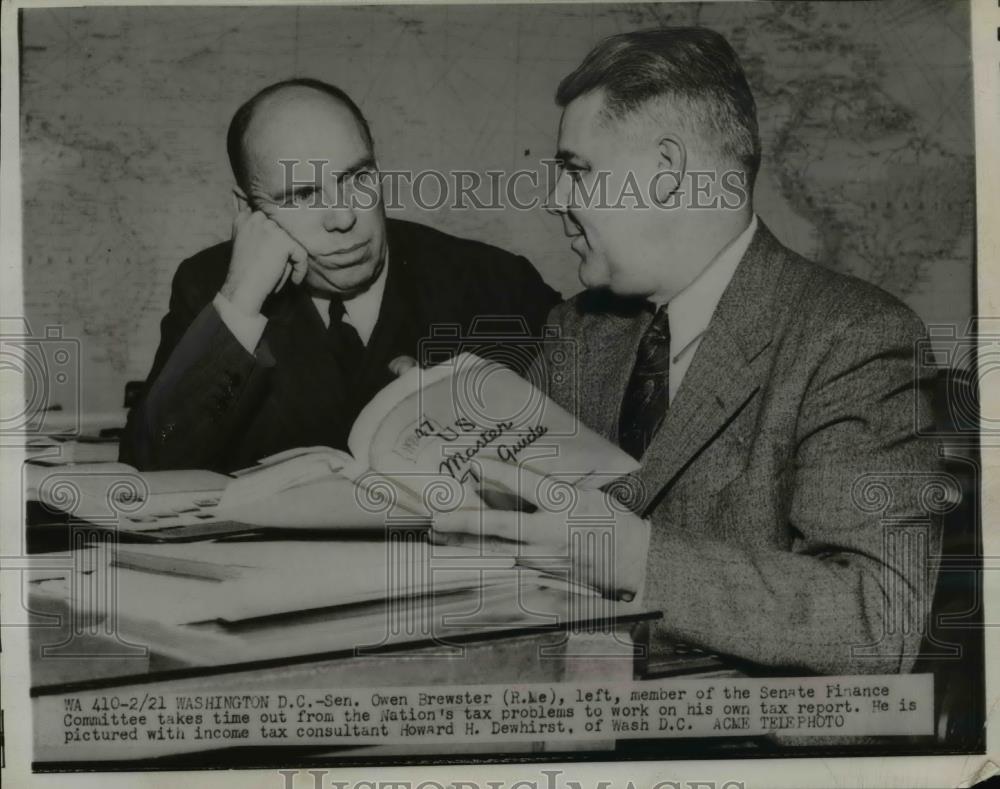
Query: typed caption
111	723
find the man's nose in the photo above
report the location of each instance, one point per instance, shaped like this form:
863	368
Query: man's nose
558	201
339	215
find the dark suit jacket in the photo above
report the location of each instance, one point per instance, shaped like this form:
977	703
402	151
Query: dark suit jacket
208	403
793	434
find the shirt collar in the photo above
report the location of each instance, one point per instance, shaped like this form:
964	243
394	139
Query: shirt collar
365	300
690	311
363	308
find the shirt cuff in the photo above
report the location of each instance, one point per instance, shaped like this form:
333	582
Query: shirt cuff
246	328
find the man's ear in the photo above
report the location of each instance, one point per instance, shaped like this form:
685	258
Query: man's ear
671	167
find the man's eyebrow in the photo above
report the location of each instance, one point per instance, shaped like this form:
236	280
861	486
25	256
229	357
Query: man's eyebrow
281	195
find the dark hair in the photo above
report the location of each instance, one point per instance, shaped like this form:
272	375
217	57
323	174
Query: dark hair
241	120
694	65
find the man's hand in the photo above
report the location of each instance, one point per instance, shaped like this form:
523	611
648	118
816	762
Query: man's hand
401	365
588	532
263	258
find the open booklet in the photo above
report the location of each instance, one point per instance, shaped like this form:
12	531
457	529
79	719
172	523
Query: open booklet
424	443
427	441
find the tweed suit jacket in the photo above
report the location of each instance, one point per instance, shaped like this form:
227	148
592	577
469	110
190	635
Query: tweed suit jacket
802	400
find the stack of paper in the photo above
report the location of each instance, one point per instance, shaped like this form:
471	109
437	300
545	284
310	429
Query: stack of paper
60	450
115	494
195	601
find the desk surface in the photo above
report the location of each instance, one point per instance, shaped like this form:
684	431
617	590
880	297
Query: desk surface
478	651
527	634
70	651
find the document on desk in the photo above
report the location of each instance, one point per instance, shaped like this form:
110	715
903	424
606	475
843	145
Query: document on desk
188	583
59	450
116	495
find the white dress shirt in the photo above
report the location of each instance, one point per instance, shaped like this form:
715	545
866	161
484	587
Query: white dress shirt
690	311
360	311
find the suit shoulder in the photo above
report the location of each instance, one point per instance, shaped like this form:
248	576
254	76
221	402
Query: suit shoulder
466	278
593	307
205	270
847	294
841	302
426	246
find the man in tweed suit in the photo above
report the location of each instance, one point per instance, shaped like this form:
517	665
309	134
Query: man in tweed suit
764	395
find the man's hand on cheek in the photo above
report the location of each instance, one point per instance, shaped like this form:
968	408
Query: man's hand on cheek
264	256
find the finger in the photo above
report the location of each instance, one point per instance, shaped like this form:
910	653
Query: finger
516	479
480	523
457	523
299	271
402	364
284	278
479	543
449	538
547	493
298	261
299	256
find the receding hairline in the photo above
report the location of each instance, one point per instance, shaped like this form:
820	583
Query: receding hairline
290	96
248	117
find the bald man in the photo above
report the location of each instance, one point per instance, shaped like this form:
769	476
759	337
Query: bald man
278	337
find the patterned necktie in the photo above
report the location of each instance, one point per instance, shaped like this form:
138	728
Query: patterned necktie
648	392
344	340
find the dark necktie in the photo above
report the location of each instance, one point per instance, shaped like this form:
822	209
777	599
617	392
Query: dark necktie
647	395
344	340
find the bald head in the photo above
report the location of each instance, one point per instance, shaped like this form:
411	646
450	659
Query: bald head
302	153
295	103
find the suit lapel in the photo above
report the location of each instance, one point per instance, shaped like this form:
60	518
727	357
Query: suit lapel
394	332
309	388
715	387
609	350
722	376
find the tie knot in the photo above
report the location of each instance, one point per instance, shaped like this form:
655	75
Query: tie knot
659	329
336	311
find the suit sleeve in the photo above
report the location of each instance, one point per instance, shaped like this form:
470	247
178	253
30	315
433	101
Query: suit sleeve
852	591
202	387
504	303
